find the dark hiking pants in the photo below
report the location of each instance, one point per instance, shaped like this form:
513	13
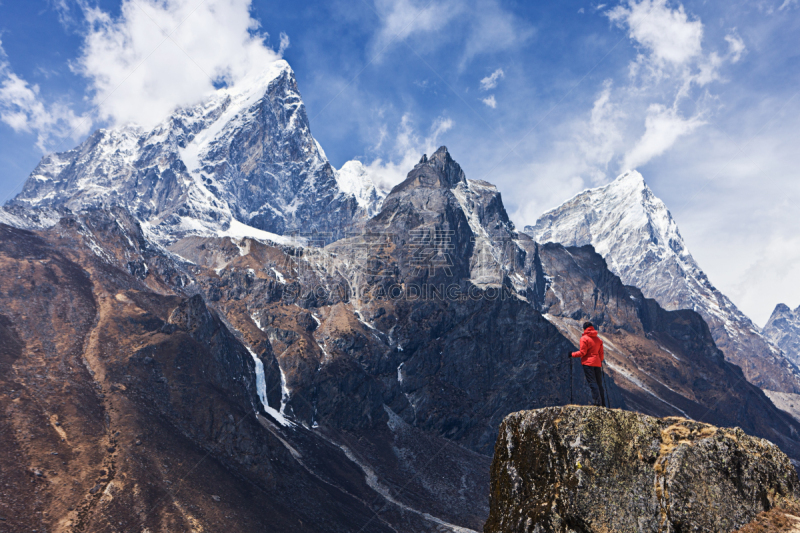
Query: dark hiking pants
594	377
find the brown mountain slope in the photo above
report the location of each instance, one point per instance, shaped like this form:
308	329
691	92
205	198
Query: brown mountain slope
124	409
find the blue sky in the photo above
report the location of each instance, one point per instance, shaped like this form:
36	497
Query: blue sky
543	99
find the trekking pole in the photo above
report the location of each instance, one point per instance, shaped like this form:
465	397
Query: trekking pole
605	387
570	380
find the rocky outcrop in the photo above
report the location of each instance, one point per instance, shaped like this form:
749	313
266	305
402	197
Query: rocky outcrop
588	469
783	329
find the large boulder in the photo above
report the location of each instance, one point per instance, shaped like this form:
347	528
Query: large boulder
590	469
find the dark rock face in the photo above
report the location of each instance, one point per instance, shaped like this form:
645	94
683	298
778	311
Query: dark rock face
567	469
783	329
458	354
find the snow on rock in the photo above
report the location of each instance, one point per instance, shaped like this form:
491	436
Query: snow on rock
28	219
493	233
246	154
231	104
261	389
238	230
353	178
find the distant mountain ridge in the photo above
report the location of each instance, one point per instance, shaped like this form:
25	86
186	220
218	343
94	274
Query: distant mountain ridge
245	154
636	234
783	329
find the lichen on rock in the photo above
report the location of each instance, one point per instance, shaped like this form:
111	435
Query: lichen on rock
589	469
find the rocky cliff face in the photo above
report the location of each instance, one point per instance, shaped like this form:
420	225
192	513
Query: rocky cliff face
459	348
589	469
783	329
633	230
246	154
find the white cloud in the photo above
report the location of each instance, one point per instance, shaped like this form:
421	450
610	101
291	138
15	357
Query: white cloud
480	26
734	193
284	44
601	138
578	157
662	128
492	29
406	152
402	18
162	54
491	81
666	33
22	108
774	272
490	101
735	47
671	65
156	56
65	13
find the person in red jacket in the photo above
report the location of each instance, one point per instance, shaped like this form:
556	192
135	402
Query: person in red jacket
591	354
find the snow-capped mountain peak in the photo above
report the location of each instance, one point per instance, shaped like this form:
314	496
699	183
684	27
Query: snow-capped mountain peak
232	107
353	178
618	219
634	231
225	106
783	329
245	154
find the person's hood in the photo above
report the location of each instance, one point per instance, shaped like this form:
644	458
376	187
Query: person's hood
591	332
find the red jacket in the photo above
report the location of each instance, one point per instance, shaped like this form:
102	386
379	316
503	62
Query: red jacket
591	352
